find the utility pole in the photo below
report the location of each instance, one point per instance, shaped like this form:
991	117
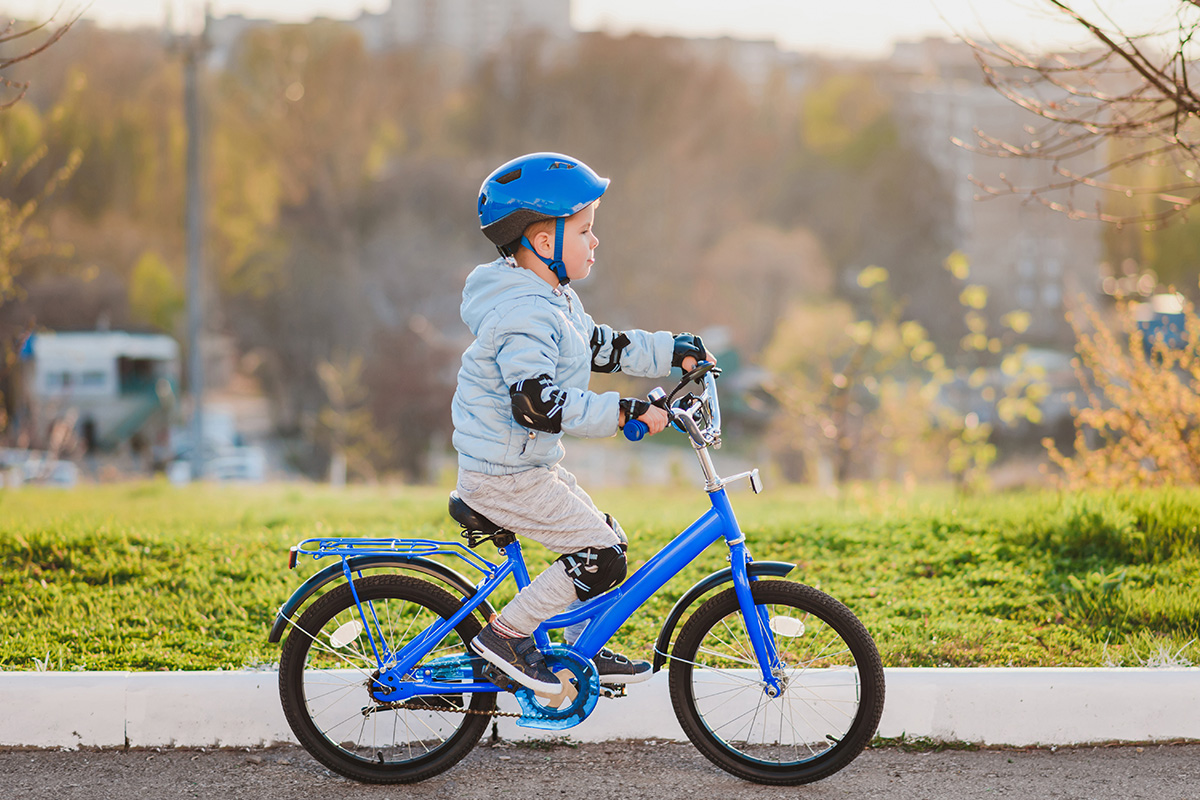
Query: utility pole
194	47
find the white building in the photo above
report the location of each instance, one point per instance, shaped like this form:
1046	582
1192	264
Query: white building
114	385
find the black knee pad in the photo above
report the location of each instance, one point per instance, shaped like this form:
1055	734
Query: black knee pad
595	569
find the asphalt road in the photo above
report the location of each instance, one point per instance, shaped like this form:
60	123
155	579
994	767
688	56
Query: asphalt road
638	770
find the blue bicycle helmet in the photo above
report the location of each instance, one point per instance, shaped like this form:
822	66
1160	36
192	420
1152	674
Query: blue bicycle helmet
532	188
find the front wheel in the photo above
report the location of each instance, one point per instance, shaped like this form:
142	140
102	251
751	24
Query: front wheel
326	672
828	668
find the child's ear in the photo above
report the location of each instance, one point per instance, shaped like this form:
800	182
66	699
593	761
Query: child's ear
544	241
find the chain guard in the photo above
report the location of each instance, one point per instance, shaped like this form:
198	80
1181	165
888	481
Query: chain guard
581	689
571	706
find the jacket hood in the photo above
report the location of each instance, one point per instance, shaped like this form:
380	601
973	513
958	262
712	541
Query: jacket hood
493	284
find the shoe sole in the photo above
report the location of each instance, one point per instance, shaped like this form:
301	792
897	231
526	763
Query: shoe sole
622	680
508	669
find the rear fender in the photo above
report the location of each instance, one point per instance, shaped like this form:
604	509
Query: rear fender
757	569
427	566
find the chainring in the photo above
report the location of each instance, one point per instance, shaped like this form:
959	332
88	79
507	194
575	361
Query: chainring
573	704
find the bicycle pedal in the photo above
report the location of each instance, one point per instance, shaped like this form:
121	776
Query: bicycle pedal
505	683
612	690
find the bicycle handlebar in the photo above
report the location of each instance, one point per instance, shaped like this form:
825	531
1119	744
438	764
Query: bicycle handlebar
636	430
704	373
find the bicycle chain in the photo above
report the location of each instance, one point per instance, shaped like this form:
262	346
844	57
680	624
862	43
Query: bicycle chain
495	712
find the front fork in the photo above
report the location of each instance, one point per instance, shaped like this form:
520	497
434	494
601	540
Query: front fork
758	625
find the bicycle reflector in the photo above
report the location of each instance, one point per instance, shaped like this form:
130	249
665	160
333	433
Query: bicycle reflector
292	553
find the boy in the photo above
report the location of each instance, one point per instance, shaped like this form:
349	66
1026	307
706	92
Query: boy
523	383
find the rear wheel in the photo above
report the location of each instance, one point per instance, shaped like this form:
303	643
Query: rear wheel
326	670
829	670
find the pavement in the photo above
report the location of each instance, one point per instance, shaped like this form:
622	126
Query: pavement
624	770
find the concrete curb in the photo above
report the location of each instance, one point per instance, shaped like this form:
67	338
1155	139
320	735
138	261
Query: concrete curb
1017	707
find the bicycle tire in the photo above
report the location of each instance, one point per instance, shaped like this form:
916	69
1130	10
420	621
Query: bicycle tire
386	746
832	698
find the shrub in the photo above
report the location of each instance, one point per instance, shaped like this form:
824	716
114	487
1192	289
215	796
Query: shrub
1140	422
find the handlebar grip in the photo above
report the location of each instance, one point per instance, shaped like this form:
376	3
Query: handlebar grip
635	430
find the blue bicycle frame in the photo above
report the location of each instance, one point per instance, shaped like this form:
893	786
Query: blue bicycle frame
398	680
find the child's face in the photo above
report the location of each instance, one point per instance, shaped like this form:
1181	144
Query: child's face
579	243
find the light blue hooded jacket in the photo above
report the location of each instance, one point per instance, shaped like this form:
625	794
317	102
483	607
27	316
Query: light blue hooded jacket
524	330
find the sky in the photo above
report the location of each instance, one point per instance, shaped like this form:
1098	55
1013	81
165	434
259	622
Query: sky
865	28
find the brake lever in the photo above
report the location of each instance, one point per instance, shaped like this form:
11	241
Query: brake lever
697	373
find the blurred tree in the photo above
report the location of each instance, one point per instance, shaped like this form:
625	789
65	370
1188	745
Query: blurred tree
155	297
871	395
411	381
854	397
297	119
868	197
22	237
752	275
348	429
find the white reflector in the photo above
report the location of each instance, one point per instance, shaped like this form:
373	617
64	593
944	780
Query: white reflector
787	626
349	631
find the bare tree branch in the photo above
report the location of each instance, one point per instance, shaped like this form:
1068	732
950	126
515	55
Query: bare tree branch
1123	118
10	35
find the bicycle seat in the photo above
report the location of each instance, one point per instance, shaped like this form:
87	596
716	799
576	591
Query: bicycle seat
469	518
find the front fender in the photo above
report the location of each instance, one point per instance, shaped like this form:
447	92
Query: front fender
428	566
776	569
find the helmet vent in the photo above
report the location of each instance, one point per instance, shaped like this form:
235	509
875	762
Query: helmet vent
561	165
509	177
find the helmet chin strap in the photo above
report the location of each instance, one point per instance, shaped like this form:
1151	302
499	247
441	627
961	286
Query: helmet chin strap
556	264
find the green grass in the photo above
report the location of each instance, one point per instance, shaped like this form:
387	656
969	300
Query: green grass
149	576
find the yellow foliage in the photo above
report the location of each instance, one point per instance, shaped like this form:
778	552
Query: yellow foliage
1138	427
872	276
860	332
154	294
958	265
974	296
1017	321
913	334
976	322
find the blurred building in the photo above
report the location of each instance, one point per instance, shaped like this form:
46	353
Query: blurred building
114	389
466	30
478	27
1029	256
758	62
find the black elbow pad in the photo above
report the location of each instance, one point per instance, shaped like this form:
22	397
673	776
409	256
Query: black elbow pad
531	411
619	343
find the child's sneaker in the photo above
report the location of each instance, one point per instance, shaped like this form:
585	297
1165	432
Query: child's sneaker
519	659
616	668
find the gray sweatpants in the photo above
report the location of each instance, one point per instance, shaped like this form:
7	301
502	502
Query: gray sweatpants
544	504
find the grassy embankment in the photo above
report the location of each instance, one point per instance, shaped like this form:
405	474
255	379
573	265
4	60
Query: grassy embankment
149	577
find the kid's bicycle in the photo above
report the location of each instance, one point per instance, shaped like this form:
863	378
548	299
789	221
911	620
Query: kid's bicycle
773	681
